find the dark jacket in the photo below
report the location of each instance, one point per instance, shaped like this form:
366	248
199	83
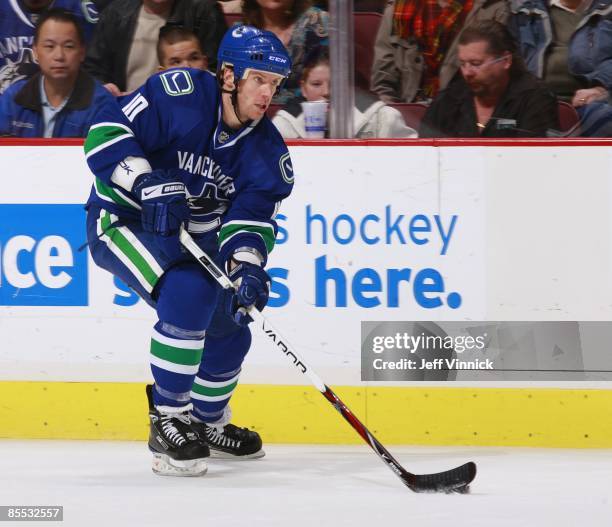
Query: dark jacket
21	110
526	109
108	52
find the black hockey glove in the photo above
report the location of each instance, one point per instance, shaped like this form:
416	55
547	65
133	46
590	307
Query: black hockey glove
164	207
253	289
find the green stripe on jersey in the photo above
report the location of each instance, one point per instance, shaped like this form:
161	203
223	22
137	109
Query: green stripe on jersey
266	232
124	245
104	190
212	392
186	357
102	134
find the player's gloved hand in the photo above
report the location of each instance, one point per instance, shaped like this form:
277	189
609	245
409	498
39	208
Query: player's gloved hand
164	207
164	202
253	288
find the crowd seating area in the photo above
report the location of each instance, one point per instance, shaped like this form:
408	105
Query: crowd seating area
366	26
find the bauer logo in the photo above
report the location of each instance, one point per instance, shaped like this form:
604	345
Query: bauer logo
40	264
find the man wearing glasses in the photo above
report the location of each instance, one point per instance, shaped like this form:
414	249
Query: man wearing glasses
494	96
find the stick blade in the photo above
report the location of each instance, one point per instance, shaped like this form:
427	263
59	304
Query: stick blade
454	480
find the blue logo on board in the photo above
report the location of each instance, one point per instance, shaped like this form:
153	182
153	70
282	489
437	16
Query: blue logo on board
40	264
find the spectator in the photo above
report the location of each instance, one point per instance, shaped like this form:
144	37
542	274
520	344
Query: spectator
231	7
122	54
495	96
61	100
371	117
300	27
416	47
17	23
568	44
178	47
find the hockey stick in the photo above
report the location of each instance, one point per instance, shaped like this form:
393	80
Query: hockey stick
454	480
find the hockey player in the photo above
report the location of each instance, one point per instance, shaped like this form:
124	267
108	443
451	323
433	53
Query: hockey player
18	18
189	149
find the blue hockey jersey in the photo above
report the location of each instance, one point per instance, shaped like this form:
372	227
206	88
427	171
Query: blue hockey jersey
235	179
17	36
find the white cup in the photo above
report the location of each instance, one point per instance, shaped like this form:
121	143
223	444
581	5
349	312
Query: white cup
315	118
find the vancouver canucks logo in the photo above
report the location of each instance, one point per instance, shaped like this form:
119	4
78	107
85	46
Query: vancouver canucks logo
177	82
223	137
89	11
286	168
23	67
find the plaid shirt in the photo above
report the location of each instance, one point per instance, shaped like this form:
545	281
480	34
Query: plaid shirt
434	28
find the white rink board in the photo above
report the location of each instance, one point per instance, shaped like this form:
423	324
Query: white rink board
530	240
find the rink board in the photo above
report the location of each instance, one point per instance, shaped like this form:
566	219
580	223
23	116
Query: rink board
519	230
566	418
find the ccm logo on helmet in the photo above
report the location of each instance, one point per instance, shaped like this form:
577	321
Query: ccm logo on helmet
277	59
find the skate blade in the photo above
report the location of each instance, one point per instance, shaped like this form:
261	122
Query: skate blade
219	454
164	465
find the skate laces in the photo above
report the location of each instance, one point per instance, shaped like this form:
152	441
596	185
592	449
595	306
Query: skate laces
171	430
219	436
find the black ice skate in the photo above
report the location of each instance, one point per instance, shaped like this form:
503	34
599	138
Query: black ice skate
230	442
177	448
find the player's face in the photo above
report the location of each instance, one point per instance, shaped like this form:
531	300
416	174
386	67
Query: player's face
59	51
255	93
483	72
316	85
185	54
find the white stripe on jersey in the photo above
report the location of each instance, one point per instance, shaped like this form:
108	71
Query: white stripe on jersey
20	13
113	125
107	144
173	367
216	384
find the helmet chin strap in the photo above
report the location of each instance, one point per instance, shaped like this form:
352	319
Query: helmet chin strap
235	104
234	98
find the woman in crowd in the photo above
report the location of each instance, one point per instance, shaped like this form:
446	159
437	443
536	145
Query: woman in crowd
371	117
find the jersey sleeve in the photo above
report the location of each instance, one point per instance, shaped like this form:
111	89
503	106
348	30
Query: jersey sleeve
249	224
126	131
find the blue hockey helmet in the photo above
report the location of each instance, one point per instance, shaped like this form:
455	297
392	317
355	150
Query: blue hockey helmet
246	47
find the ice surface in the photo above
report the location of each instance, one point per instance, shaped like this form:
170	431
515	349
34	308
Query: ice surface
111	484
